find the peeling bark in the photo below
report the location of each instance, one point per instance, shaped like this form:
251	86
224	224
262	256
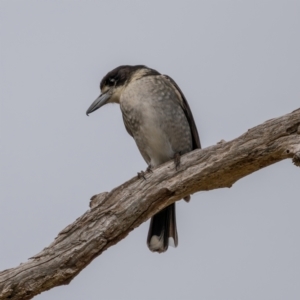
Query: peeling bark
113	215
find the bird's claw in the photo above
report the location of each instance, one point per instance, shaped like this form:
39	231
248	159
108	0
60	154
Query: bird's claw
149	169
141	175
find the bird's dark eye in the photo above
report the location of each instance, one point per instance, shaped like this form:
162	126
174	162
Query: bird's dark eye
111	81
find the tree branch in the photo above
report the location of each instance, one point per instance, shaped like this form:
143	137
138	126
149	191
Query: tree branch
113	215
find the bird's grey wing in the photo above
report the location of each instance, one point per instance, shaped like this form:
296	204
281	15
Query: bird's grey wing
188	114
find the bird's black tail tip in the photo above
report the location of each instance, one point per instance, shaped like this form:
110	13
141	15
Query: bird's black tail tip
163	231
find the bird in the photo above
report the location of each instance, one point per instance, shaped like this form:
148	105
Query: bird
158	117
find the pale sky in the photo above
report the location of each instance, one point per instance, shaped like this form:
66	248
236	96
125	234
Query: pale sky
238	64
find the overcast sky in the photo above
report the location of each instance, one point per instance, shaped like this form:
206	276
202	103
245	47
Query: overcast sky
238	64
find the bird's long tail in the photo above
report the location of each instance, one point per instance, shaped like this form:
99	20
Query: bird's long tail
162	230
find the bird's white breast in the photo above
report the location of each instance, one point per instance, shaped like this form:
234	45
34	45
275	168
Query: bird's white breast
156	121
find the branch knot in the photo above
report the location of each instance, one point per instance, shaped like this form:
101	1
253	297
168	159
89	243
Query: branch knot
98	199
296	159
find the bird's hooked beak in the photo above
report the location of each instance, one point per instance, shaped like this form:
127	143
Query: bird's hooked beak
100	101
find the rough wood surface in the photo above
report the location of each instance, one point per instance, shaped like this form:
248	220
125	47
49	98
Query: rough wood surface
113	215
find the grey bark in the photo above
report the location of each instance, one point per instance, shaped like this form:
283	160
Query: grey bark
113	215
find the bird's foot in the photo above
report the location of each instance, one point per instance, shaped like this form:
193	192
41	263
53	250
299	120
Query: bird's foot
149	169
141	175
177	160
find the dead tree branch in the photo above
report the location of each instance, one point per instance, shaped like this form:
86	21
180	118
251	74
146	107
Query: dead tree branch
113	215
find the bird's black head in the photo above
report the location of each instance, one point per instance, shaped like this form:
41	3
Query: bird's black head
114	82
120	75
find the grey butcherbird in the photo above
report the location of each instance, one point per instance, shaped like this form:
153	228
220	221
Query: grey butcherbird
157	115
